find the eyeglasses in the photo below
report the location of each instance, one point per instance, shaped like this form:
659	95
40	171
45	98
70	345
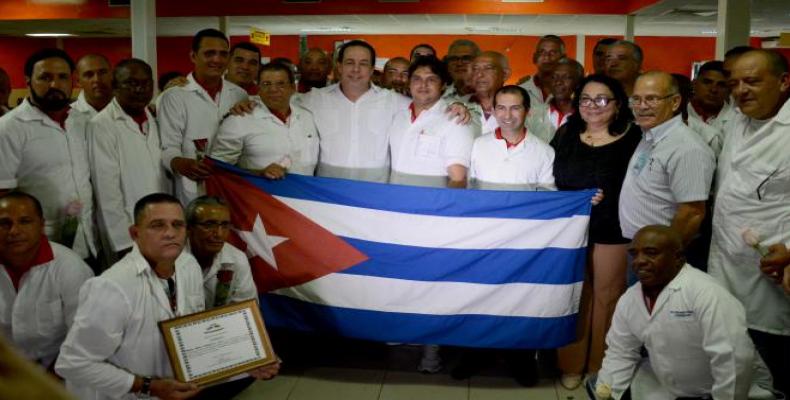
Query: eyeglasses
650	101
463	59
213	225
599	101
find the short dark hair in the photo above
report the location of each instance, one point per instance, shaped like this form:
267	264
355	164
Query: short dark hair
191	211
276	66
623	116
434	64
153	198
685	90
715	65
207	33
20	195
43	54
513	89
426	45
126	63
167	77
607	41
737	50
357	43
246	46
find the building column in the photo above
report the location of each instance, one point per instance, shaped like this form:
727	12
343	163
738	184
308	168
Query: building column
629	27
733	25
224	25
143	21
580	48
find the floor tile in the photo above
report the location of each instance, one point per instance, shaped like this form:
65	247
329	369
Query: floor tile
417	386
274	389
505	388
338	384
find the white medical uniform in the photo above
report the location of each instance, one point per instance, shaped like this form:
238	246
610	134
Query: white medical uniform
696	341
422	150
544	120
242	286
125	166
529	165
115	333
259	139
42	159
83	112
187	113
753	191
38	316
353	135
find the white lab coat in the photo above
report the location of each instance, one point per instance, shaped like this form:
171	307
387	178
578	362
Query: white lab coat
753	191
696	339
125	166
242	286
257	140
83	112
527	166
187	113
39	157
37	317
115	334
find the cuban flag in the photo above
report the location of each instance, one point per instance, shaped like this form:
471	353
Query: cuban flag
394	263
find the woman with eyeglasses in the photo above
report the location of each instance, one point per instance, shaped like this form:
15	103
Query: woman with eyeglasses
592	150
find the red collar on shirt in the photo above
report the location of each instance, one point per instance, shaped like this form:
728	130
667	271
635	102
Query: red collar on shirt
281	116
43	256
413	115
559	112
211	93
140	120
498	135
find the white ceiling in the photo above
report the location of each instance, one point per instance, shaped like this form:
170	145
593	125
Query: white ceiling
666	18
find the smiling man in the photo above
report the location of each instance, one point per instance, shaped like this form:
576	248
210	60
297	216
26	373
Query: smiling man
549	50
244	62
624	62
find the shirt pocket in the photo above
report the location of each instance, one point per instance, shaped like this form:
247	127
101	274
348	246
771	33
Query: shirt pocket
771	182
49	318
428	146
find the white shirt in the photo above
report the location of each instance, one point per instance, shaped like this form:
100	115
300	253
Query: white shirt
535	94
353	135
37	317
696	339
187	113
753	191
46	161
484	125
125	165
115	333
529	165
429	145
256	140
543	121
242	286
83	112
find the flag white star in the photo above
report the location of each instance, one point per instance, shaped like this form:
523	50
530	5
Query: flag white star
259	243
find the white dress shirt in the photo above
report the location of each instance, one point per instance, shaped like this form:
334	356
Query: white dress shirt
695	336
353	135
242	287
83	112
37	317
256	140
187	113
529	165
422	150
125	166
39	157
115	334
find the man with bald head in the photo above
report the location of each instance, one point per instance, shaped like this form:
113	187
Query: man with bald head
396	75
549	50
94	76
693	329
669	175
753	185
314	68
623	62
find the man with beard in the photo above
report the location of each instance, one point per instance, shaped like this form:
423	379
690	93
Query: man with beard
314	68
43	152
545	119
459	63
549	50
245	60
94	76
124	148
396	75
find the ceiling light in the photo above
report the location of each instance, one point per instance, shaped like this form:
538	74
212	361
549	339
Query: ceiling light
327	29
48	34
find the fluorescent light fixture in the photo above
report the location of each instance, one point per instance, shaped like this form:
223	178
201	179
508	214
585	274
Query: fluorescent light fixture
48	34
326	29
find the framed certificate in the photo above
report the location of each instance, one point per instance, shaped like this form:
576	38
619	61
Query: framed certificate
212	345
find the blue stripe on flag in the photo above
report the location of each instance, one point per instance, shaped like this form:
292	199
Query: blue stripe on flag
423	200
457	330
549	265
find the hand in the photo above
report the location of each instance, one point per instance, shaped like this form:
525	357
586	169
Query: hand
266	372
178	81
171	389
460	113
243	107
274	171
597	198
775	263
189	168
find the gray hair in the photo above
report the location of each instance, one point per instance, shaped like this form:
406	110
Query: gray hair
467	43
193	205
638	55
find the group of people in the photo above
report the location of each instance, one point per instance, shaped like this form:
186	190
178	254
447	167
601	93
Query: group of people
680	166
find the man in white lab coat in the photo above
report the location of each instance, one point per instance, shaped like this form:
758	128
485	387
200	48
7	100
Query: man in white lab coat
753	193
189	115
125	154
114	349
39	281
94	76
693	329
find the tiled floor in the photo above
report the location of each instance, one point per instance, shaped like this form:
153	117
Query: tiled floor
378	372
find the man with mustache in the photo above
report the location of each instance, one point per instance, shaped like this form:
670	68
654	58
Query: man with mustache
43	152
693	329
314	68
125	154
245	60
753	189
459	59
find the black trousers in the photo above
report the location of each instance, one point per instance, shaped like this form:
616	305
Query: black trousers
775	351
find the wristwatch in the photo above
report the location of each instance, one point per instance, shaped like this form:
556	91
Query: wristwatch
145	389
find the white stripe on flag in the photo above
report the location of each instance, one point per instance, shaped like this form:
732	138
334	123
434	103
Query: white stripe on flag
441	231
372	293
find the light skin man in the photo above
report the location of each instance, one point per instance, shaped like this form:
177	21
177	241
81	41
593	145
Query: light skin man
658	102
243	65
276	89
599	54
623	62
710	91
314	68
94	76
21	230
396	75
459	63
490	70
